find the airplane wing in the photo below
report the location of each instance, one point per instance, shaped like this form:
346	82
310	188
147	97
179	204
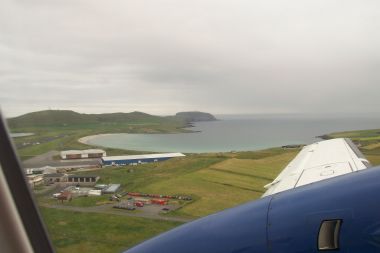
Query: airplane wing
323	215
317	162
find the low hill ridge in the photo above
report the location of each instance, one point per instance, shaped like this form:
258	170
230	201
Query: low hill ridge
68	117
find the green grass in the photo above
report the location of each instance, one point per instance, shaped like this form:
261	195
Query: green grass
222	185
259	154
86	201
360	134
213	181
146	174
103	233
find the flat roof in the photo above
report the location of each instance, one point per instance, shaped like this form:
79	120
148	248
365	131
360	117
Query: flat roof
112	188
54	175
86	151
82	176
146	156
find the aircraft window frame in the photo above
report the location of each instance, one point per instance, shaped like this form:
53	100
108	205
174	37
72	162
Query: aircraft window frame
21	195
328	234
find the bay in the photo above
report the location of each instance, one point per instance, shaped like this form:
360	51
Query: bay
16	135
238	133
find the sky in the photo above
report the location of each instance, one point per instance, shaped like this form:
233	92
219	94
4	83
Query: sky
165	56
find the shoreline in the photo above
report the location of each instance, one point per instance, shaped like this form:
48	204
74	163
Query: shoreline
86	139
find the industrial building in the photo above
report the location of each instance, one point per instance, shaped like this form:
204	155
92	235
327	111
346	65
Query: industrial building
55	178
138	159
83	179
42	170
35	180
81	154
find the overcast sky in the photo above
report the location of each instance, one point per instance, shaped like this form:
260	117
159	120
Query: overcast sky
161	56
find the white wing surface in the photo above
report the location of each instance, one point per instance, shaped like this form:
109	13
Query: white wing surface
319	161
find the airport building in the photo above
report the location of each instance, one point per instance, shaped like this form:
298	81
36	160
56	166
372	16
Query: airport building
42	170
35	180
83	180
138	159
80	154
55	178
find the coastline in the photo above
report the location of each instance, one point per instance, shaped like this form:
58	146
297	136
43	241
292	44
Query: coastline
86	139
221	140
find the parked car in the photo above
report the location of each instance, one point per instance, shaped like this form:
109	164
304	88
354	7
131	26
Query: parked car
139	204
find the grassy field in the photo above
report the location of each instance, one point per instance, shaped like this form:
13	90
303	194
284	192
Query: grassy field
215	181
224	184
89	232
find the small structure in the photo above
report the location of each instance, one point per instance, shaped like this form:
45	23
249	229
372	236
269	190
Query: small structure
48	170
81	154
138	159
112	188
35	180
100	186
42	170
55	178
84	180
94	192
65	196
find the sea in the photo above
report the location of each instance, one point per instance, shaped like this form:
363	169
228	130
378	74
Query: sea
16	135
240	133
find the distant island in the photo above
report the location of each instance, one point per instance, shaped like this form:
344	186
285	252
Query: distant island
195	116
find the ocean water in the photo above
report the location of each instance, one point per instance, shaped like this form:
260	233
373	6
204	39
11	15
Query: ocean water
239	133
15	135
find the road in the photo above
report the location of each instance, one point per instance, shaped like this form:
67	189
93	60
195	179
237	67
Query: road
107	209
47	159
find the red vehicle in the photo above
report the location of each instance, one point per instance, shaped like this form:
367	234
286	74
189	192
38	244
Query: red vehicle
159	201
139	204
134	193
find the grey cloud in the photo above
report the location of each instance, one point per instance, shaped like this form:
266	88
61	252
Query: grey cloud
163	56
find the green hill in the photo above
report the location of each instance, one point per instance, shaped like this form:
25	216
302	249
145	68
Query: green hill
60	129
50	118
69	118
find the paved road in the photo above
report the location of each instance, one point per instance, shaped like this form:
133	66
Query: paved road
107	209
40	160
47	160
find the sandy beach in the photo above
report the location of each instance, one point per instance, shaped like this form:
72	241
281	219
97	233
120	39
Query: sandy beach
86	140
